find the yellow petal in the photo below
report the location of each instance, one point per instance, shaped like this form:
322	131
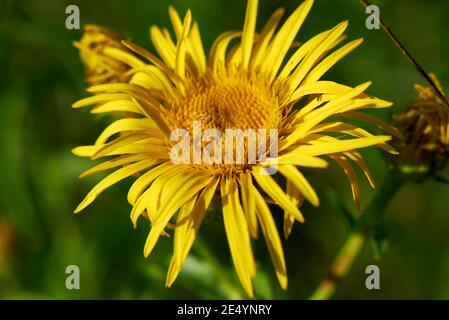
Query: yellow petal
264	38
101	98
193	44
249	203
248	31
155	199
114	163
331	60
180	65
191	229
160	81
299	54
162	46
85	151
126	144
123	56
237	233
300	182
116	106
318	87
296	197
111	87
113	178
187	227
176	21
272	239
284	38
184	219
358	159
123	141
374	121
145	180
349	129
122	125
318	115
349	171
340	146
364	103
270	186
197	48
153	59
297	160
154	114
217	56
307	64
179	190
309	107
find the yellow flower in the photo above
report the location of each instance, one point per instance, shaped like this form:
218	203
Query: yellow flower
95	47
425	127
248	84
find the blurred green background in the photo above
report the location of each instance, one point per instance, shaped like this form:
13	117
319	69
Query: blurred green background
39	236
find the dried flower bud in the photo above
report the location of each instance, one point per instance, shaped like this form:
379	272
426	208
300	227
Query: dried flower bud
425	127
101	66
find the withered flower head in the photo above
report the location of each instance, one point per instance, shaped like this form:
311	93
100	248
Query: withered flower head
97	46
425	126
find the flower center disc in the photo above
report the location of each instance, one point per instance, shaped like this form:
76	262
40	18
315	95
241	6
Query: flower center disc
240	105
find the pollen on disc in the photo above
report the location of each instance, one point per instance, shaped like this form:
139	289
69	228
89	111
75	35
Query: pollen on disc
236	103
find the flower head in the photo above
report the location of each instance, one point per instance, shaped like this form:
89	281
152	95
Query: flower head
425	126
95	47
246	82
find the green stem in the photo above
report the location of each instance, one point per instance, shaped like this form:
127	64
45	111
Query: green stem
374	213
369	220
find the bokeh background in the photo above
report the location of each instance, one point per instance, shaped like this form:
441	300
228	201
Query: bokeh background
41	76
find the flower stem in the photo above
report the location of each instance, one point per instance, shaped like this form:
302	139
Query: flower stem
370	219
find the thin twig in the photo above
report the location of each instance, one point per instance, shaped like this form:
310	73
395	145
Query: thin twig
408	55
